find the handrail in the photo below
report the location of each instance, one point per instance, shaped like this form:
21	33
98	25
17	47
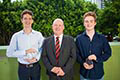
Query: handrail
111	43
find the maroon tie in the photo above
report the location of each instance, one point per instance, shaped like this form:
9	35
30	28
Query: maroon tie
57	47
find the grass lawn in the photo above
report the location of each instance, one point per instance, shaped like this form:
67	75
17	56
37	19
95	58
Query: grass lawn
112	66
9	66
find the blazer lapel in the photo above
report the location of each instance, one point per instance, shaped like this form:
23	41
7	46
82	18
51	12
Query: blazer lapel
62	48
52	45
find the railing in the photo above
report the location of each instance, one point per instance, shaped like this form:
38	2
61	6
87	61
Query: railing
111	43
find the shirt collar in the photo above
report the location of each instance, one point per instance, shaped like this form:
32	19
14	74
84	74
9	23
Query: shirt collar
58	36
33	31
85	34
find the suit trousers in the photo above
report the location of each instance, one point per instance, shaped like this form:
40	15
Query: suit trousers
29	73
68	76
59	78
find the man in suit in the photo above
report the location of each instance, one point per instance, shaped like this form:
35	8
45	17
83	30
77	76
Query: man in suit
59	53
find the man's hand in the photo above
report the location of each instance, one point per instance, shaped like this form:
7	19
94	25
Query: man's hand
92	57
88	66
55	70
31	60
31	50
58	71
61	72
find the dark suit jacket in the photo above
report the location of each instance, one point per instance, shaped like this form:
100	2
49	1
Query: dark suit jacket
67	55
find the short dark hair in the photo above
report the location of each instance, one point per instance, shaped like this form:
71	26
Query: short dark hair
90	13
26	11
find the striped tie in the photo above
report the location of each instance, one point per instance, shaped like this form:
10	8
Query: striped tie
57	47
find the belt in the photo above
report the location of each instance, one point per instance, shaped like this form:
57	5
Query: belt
28	65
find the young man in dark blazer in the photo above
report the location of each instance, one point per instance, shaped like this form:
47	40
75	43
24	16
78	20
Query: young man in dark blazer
59	53
93	50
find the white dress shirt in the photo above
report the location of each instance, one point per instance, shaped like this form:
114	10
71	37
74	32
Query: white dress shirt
20	42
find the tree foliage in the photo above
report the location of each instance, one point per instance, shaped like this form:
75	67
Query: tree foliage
109	17
45	11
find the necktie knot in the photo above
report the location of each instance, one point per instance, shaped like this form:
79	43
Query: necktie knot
57	38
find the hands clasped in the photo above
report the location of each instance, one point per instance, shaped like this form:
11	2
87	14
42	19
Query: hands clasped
58	71
89	61
30	52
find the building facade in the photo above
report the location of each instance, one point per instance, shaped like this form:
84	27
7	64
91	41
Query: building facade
99	3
